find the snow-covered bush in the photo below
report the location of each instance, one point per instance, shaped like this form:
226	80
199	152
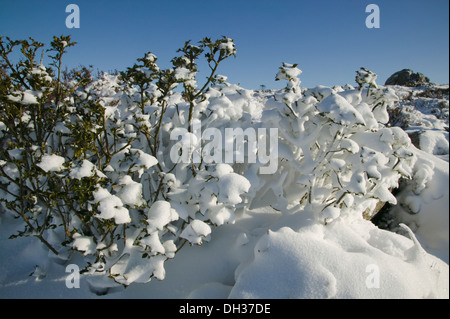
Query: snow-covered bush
124	170
336	156
85	162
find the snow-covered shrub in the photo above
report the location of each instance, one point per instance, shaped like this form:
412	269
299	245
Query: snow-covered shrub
335	153
365	77
85	162
31	174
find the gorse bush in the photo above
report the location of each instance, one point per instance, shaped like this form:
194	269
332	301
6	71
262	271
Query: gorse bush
87	163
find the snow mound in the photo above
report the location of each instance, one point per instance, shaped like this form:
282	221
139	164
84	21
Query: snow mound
424	204
340	260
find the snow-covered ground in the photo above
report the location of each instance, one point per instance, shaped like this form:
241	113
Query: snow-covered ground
263	255
270	252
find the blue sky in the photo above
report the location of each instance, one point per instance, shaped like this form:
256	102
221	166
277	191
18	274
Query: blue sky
328	39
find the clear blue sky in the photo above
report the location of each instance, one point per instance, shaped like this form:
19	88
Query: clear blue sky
327	38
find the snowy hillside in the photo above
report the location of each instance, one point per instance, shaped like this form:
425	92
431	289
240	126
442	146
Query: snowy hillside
123	187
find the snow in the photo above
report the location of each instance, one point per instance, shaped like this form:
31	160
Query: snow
332	261
340	111
41	71
227	46
51	163
289	71
424	204
350	145
222	169
264	255
160	214
140	273
196	231
364	76
434	142
150	57
154	243
86	169
220	215
84	243
183	74
111	206
26	97
16	153
129	191
132	159
330	213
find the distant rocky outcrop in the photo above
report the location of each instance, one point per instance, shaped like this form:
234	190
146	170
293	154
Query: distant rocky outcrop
407	77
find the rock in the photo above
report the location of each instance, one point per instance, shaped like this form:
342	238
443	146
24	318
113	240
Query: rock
407	77
370	214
